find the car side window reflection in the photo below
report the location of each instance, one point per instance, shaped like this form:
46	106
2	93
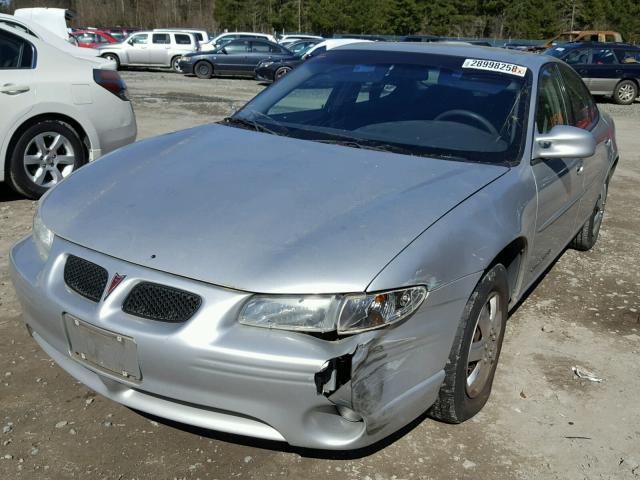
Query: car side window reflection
15	53
577	57
583	110
550	110
161	38
603	56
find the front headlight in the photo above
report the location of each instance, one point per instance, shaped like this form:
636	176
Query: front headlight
345	314
265	64
42	236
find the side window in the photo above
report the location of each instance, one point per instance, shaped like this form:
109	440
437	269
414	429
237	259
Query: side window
583	110
198	36
260	47
577	56
182	39
275	49
141	39
15	53
161	38
317	52
237	47
603	56
628	56
550	110
101	39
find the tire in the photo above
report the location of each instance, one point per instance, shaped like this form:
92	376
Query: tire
588	234
174	64
203	69
281	72
113	57
625	92
35	166
467	385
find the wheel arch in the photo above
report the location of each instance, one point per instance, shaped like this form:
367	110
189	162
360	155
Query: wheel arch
25	125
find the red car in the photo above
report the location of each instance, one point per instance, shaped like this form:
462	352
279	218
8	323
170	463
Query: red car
93	38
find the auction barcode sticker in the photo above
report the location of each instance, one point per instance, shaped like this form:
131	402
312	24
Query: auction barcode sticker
494	66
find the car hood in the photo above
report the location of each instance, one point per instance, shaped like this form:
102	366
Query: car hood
258	212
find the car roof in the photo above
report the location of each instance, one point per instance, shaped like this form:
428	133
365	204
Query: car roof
531	60
572	45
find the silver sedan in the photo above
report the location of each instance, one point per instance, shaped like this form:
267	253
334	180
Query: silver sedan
335	259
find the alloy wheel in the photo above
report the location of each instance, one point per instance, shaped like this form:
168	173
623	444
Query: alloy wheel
48	158
626	93
484	345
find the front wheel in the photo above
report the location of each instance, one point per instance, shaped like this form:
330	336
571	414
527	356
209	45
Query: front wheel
175	64
588	234
476	348
281	72
113	57
44	155
203	69
625	92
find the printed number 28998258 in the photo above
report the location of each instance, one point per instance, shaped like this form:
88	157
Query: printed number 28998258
494	66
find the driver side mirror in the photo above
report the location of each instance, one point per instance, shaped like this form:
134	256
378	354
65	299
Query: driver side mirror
564	141
130	41
223	50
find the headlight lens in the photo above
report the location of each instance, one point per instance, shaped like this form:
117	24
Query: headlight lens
42	236
325	313
265	64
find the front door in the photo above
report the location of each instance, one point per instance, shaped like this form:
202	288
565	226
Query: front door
558	181
579	59
603	71
138	49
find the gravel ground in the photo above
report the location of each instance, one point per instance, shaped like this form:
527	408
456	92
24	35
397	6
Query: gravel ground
541	422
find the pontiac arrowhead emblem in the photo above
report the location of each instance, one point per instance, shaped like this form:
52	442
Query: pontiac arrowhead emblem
115	281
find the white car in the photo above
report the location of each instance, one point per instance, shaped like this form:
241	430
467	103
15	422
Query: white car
202	36
295	37
227	37
151	49
58	113
48	36
330	44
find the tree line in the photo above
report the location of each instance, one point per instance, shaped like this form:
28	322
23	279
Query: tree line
534	19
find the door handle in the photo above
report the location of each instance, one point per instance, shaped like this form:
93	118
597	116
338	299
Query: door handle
580	169
11	89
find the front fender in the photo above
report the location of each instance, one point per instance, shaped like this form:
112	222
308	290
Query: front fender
468	238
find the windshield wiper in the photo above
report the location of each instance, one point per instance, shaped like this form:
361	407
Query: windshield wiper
244	123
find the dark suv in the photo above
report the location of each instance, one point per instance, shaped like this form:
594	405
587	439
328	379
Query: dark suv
611	69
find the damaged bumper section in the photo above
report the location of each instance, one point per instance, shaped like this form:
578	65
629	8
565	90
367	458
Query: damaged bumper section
215	373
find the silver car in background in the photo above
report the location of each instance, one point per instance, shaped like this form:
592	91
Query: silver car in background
151	49
336	258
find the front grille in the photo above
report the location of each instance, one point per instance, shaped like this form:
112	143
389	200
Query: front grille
162	303
85	278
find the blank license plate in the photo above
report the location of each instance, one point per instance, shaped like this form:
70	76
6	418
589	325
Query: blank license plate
102	349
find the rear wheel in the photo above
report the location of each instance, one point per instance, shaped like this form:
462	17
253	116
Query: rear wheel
43	156
476	348
113	57
588	234
625	92
203	69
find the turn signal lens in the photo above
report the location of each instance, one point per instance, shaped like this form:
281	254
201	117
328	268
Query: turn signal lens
367	312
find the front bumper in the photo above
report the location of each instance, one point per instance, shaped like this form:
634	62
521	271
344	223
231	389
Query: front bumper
264	74
214	373
186	67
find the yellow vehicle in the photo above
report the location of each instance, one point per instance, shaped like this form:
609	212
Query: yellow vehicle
581	36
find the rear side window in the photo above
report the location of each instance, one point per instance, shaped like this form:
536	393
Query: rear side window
102	39
628	56
15	53
182	39
317	52
603	56
550	110
582	109
161	38
260	47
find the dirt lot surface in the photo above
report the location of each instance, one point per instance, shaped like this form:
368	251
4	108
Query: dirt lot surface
541	422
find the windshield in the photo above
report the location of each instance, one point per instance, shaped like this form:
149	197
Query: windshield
555	51
416	104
